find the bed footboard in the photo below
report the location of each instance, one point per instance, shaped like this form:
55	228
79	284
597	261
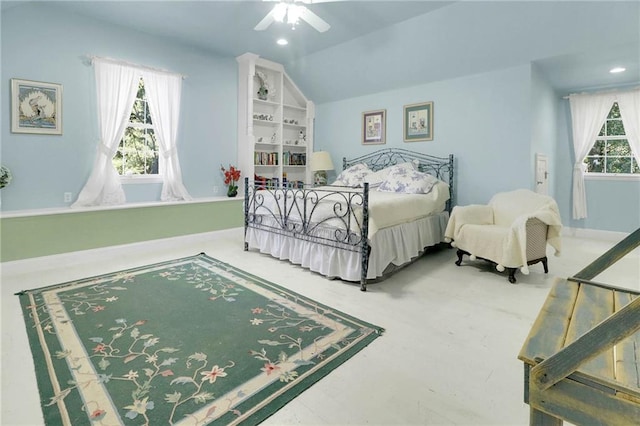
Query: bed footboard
333	216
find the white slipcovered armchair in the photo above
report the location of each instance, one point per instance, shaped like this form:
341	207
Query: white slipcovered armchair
512	231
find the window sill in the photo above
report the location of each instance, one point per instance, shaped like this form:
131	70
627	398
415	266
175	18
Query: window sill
132	180
69	210
612	176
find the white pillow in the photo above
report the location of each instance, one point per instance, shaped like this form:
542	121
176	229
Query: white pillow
408	181
374	179
353	176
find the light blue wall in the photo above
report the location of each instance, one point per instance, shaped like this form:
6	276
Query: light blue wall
612	205
484	120
41	43
493	123
544	119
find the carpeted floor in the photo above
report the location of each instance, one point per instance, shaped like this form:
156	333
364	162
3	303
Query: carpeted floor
190	341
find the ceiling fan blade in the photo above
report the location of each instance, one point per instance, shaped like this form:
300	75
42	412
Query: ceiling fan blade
266	21
314	20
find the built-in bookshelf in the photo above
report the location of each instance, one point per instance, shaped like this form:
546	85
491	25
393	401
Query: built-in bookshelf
275	129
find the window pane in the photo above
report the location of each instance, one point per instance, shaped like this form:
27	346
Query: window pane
140	94
150	153
118	160
611	155
594	164
134	151
134	142
619	147
619	165
147	113
615	128
145	116
138	151
598	148
615	111
138	112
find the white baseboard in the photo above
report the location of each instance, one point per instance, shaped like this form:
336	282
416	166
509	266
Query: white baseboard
594	234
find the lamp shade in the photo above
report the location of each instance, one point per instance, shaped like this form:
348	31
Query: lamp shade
321	160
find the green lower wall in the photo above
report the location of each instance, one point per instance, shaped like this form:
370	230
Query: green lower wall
41	235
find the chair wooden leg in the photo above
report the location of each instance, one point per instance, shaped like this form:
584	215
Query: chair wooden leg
512	275
544	265
460	253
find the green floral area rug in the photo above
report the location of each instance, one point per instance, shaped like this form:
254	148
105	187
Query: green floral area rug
190	341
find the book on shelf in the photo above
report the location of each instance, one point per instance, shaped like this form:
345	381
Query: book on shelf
294	159
265	158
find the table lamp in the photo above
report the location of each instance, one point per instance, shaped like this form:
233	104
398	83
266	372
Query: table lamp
320	163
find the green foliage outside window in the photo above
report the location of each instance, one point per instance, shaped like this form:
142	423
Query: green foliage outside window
138	150
611	152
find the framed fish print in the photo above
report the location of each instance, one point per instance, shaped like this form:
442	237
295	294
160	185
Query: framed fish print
374	127
36	107
418	122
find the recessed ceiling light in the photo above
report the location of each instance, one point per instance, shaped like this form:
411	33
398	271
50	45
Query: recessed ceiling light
617	70
282	42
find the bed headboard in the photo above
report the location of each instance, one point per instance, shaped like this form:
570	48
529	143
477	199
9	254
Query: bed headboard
440	167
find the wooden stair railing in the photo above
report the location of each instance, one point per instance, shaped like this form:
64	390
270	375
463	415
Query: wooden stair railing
574	376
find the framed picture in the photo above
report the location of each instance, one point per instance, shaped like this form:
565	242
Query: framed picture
374	127
36	107
418	122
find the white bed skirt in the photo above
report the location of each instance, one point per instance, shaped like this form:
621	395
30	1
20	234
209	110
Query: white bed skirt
396	245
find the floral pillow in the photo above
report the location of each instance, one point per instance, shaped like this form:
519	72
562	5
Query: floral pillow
408	181
353	176
375	179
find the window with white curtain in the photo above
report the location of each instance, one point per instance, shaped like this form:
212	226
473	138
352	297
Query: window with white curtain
127	97
611	153
138	154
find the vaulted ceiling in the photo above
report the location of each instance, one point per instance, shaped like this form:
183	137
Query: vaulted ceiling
401	43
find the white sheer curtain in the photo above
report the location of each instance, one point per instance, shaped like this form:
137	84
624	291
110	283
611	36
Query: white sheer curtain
588	112
116	90
163	92
629	103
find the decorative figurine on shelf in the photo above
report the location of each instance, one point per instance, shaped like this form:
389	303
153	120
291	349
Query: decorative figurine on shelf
302	137
231	178
262	93
273	138
265	89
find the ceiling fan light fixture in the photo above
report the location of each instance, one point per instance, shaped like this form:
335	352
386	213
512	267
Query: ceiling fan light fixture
286	10
279	12
293	14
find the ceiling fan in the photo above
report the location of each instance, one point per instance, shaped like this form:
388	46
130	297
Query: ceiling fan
292	11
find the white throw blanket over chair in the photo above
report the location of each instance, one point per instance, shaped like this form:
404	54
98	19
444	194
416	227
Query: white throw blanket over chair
512	231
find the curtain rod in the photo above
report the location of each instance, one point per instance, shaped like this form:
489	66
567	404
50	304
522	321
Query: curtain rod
603	91
91	58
